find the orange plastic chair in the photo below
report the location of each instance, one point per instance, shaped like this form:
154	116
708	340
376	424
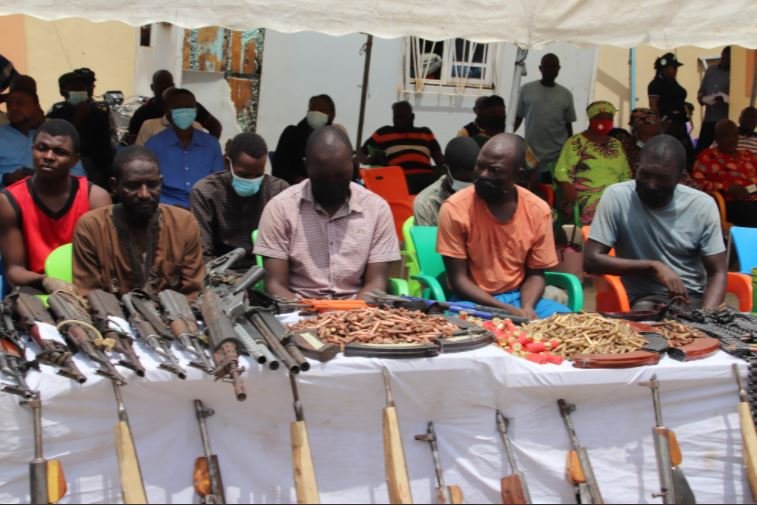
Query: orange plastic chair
548	193
388	182
720	201
741	286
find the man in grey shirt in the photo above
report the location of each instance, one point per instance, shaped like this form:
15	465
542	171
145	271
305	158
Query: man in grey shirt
715	83
548	110
667	237
460	166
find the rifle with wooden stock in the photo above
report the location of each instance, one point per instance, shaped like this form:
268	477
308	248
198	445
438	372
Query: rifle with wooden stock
184	327
748	434
39	325
513	486
110	321
207	479
397	480
444	493
13	363
302	460
578	468
130	472
674	488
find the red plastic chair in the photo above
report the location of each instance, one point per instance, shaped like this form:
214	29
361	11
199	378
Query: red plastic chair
389	182
547	192
741	286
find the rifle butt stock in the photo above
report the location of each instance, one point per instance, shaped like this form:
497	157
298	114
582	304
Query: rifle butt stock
305	483
132	485
397	480
749	442
449	494
513	491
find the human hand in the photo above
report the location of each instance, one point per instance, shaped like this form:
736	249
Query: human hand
668	278
53	285
529	313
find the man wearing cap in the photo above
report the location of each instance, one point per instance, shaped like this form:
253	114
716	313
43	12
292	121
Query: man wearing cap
92	120
712	94
7	74
589	162
460	171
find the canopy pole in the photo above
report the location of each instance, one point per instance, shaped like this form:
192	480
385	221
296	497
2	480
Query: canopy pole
632	61
367	49
518	72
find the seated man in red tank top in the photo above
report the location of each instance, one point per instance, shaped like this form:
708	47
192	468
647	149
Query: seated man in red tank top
38	214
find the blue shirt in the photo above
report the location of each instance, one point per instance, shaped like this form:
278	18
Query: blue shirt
183	167
16	151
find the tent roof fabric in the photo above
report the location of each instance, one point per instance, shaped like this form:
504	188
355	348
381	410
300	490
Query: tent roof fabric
529	23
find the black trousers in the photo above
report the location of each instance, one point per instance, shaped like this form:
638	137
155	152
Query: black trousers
706	136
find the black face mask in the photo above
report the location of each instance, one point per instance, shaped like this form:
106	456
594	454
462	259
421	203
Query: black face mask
492	123
654	198
328	193
490	189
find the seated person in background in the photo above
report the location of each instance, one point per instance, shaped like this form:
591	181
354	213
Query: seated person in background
731	171
39	213
93	122
405	145
667	236
185	155
156	108
644	124
288	161
327	237
460	165
17	136
228	204
590	162
490	119
747	135
151	127
496	238
138	243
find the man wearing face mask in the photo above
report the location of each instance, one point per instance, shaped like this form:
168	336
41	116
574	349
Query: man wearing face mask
228	205
496	237
327	237
92	120
667	237
460	166
138	243
186	155
288	161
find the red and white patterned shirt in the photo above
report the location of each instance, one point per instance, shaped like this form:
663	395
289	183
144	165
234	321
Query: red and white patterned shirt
717	171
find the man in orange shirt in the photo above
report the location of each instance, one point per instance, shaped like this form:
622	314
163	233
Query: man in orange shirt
499	261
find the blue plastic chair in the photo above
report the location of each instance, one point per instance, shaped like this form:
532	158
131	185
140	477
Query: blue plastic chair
744	241
433	274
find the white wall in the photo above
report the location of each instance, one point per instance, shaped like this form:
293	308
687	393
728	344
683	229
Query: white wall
165	52
213	92
298	66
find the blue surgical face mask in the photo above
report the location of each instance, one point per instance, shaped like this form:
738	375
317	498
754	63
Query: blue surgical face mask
245	187
77	97
183	118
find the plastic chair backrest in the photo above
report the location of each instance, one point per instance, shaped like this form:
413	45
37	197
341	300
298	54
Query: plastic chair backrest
60	263
430	262
741	286
258	259
401	212
548	193
407	239
388	182
745	242
611	295
720	201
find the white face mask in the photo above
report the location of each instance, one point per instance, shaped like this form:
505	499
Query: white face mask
77	97
316	119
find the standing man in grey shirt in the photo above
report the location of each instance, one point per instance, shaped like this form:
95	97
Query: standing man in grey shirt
715	83
667	237
548	110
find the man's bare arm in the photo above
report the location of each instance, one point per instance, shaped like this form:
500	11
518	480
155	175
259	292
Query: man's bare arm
277	278
717	280
376	277
99	197
531	291
13	249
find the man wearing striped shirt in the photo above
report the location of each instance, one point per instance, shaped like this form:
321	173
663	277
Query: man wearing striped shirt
407	146
747	135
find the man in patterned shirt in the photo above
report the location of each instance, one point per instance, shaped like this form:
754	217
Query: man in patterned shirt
732	172
228	204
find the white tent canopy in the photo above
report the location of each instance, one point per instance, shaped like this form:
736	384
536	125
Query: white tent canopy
528	23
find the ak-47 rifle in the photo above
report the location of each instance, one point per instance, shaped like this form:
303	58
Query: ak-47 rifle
748	434
302	461
397	480
184	327
73	319
13	363
444	493
145	320
674	486
207	473
110	321
46	480
579	470
223	343
53	349
513	486
130	472
279	339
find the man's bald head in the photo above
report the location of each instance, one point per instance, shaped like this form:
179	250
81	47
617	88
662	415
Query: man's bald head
727	136
748	120
499	164
665	150
328	150
161	81
509	148
661	164
549	67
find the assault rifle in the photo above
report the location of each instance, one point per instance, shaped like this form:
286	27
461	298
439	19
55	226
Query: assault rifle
223	343
302	460
46	480
13	364
74	320
444	493
579	470
748	434
674	486
184	327
130	473
110	321
146	321
513	486
36	321
395	467
207	473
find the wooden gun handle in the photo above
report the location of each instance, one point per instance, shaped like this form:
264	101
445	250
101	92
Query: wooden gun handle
455	493
512	490
749	442
302	465
56	481
573	469
397	479
675	450
132	487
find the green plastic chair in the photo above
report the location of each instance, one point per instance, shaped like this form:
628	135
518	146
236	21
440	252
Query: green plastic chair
60	263
396	286
433	274
410	258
